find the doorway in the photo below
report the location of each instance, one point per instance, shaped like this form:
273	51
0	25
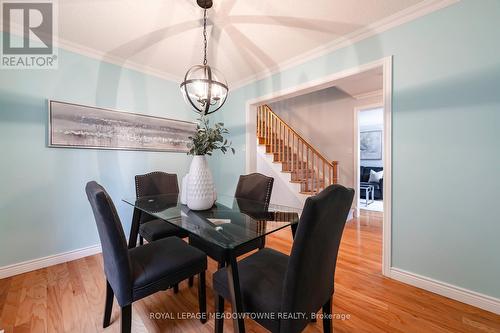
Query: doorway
370	158
329	81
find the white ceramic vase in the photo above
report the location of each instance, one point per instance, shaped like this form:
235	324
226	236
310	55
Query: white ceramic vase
184	184
200	185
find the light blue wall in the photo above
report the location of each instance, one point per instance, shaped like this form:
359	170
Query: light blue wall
446	120
446	138
43	207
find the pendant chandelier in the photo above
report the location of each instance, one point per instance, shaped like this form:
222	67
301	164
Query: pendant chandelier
204	87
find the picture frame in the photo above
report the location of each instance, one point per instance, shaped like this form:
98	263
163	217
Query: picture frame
72	125
370	145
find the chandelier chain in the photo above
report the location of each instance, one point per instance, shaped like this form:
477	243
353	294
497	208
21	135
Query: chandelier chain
205	37
204	90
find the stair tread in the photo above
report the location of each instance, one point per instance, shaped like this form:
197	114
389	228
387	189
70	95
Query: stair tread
293	162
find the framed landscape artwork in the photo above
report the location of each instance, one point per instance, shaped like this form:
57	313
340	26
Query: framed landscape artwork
370	145
80	126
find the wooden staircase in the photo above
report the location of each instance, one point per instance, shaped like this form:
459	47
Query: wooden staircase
307	166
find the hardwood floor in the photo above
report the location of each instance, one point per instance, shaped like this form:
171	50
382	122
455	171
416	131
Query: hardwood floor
70	297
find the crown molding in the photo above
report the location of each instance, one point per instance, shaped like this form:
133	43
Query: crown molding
115	60
406	15
409	14
69	46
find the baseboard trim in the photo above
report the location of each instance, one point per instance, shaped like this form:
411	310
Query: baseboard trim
352	214
31	265
466	296
463	295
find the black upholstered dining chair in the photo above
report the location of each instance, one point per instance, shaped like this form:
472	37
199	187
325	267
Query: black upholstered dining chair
272	282
156	183
256	188
132	274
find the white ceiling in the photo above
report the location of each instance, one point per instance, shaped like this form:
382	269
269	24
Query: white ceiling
367	82
164	37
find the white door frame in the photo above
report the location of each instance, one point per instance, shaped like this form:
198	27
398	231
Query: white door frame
356	174
323	83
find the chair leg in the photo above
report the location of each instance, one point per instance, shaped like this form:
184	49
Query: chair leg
108	305
191	281
219	314
176	288
263	244
202	298
126	320
141	240
327	316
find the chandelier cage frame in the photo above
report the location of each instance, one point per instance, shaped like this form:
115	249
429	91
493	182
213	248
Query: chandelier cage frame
208	80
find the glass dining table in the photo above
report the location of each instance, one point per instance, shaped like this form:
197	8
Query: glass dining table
230	224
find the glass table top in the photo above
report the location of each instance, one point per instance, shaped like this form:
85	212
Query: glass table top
231	222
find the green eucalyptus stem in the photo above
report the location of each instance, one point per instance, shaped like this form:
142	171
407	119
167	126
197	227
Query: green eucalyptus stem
207	139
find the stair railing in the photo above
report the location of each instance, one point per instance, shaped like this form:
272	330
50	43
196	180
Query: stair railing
312	168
